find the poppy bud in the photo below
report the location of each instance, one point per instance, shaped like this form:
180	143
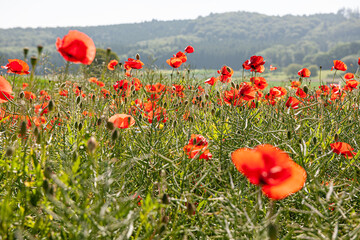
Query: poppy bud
114	135
314	140
207	97
165	199
23	128
33	61
336	137
78	99
76	125
137	56
39	48
289	135
98	122
213	111
233	85
186	102
80	126
174	124
81	105
10	151
51	105
75	156
272	230
165	219
92	144
306	89
190	209
26	51
164	104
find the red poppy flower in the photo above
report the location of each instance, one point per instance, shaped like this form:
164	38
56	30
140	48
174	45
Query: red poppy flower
339	65
29	95
211	81
301	93
137	83
5	90
155	88
359	61
343	149
292	102
197	146
17	66
63	93
272	68
246	92
349	76
226	74
122	120
271	168
112	64
295	84
133	64
182	56
304	73
259	82
76	47
189	49
255	63
174	62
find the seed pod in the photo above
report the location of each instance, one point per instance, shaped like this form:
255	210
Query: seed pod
33	61
78	99
289	135
233	85
39	48
314	140
21	95
26	51
336	137
76	125
213	111
137	56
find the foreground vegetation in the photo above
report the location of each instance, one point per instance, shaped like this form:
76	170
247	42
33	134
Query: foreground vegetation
72	168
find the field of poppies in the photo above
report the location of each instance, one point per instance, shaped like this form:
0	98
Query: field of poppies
140	153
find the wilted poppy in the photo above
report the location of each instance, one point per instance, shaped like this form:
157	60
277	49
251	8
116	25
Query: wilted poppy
339	65
304	73
17	66
271	168
343	149
189	49
111	65
76	47
122	121
5	90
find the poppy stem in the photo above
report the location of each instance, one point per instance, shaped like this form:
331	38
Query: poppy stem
66	70
272	228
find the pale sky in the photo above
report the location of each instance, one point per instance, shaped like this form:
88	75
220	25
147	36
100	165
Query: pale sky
58	13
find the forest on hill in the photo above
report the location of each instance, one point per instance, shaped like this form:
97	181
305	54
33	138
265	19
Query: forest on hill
218	39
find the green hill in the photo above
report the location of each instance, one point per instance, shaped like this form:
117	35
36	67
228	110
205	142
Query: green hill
218	39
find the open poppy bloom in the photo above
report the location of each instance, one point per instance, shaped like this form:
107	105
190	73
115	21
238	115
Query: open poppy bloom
5	90
349	76
174	62
17	66
271	168
295	84
339	65
343	149
304	73
211	81
133	64
300	93
197	146
255	63
189	49
225	74
122	121
76	47
182	56
112	64
292	102
259	82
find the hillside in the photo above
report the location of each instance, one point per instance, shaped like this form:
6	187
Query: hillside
218	39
